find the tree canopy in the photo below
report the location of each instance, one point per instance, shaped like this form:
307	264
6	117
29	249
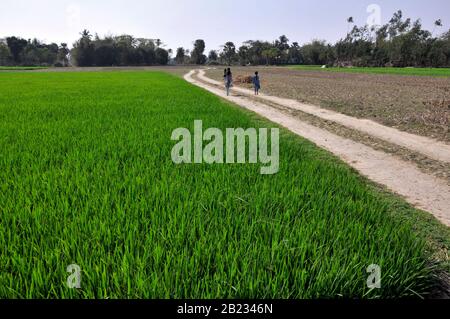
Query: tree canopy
122	50
88	50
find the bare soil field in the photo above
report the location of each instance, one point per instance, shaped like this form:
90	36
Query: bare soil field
419	105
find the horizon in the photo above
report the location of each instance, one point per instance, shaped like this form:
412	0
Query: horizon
62	21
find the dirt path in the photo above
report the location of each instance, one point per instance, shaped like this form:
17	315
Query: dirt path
426	146
419	189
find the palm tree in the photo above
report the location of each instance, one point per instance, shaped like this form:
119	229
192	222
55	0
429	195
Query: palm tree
350	21
437	24
86	34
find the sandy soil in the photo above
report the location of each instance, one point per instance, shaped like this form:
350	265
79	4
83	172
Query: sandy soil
419	189
419	105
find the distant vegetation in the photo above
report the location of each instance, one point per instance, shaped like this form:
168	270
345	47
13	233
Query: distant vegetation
396	71
121	50
399	43
15	51
21	68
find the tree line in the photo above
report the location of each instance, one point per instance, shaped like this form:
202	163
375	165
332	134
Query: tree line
123	50
17	51
89	50
401	42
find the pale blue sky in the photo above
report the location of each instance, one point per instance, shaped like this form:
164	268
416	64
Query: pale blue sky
179	22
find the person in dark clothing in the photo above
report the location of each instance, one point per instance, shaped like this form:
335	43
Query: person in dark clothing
228	80
256	83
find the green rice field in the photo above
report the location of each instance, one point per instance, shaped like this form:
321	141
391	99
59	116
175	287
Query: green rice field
21	68
435	72
86	178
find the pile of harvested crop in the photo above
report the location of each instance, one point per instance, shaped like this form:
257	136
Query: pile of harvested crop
243	79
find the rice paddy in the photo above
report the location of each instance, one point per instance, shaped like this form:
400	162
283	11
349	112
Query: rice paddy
21	68
86	178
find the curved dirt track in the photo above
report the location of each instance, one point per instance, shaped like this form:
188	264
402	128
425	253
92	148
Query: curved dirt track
424	145
419	189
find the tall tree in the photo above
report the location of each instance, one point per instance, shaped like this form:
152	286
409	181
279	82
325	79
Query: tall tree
212	56
437	24
63	52
161	56
282	45
270	55
197	56
5	55
180	56
229	53
349	23
244	55
295	55
84	50
16	46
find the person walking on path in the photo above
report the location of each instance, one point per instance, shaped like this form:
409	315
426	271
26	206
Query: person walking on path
228	81
256	83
